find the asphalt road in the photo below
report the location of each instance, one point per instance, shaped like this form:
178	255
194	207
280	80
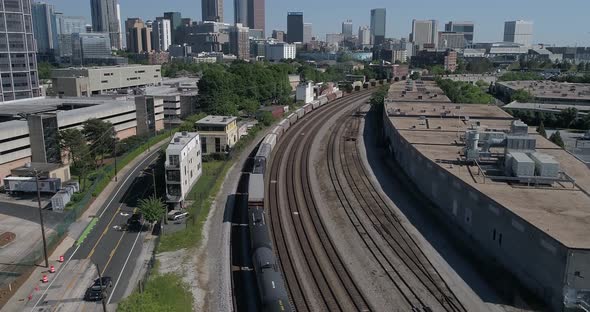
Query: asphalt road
115	250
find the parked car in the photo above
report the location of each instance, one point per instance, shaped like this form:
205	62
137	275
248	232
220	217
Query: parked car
134	223
105	282
93	294
175	215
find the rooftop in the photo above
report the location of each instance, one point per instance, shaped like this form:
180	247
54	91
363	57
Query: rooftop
180	140
172	87
547	107
216	120
30	168
551	90
560	211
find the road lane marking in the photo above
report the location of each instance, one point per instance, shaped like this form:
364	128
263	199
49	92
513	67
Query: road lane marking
124	265
104	232
104	268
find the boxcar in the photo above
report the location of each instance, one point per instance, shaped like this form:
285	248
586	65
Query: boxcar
278	131
323	100
256	190
285	124
270	139
315	104
339	94
293	118
308	108
300	113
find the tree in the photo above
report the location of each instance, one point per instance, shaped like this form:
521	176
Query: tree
556	138
265	118
72	142
44	69
415	75
568	116
541	129
152	208
101	136
250	106
521	96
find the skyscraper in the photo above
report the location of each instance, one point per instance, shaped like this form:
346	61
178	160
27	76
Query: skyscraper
466	28
241	12
239	41
66	26
307	32
161	34
424	32
19	66
212	10
175	25
257	15
347	29
377	26
294	27
138	36
279	35
519	31
45	29
106	17
364	37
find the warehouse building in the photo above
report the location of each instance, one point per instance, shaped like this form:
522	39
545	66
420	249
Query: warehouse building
29	128
548	91
513	196
218	133
183	166
88	81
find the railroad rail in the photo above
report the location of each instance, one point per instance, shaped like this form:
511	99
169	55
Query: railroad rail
316	275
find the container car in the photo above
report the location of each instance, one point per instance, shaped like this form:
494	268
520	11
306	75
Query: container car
308	108
285	124
315	104
300	113
293	118
261	159
278	131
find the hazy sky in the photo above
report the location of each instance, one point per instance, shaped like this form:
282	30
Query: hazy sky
561	22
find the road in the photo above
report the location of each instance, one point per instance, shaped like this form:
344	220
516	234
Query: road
114	250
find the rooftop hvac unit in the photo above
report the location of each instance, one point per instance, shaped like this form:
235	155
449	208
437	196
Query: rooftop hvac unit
520	143
522	165
545	165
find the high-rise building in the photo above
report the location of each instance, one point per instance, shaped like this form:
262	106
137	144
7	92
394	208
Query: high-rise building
66	26
241	12
239	41
364	37
19	64
175	25
279	35
106	18
451	40
257	15
294	27
378	26
87	47
212	10
136	35
465	28
276	51
424	33
45	29
347	29
307	32
519	31
161	34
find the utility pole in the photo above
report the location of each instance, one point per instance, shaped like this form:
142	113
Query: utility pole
102	290
115	161
41	218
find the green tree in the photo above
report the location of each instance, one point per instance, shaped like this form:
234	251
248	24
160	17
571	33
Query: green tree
541	129
250	106
556	138
152	208
568	116
101	136
73	143
520	76
265	118
415	75
44	70
521	96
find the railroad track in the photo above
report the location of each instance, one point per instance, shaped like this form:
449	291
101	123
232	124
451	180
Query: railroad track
418	284
316	276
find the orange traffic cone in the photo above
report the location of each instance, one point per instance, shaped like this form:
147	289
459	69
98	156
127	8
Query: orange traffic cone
52	269
30	297
61	258
45	280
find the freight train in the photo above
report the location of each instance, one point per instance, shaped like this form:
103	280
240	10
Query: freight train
271	285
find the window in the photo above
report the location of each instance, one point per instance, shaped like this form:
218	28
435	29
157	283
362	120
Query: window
204	145
217	145
173	175
174	160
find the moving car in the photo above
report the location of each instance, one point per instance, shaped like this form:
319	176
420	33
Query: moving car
93	294
105	282
175	215
134	223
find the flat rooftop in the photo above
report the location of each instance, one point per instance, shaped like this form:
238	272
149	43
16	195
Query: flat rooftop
560	211
547	107
422	91
552	89
180	140
216	120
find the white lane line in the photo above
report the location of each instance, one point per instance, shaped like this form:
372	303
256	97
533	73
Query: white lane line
54	279
62	268
124	265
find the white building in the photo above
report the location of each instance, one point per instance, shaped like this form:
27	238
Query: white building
364	36
183	166
276	51
519	31
161	30
305	92
307	32
424	32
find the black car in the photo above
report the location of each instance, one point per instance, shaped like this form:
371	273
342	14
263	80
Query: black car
93	294
134	223
105	282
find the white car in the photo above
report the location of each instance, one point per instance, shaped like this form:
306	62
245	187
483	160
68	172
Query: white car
175	215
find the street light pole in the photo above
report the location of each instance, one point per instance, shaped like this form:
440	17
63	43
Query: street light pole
41	219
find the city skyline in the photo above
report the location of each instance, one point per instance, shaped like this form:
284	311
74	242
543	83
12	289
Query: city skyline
555	28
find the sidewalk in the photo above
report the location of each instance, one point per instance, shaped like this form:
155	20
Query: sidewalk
33	289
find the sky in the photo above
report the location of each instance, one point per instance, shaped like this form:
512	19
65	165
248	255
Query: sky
556	22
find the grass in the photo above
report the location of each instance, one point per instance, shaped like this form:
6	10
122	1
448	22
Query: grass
161	293
202	195
87	231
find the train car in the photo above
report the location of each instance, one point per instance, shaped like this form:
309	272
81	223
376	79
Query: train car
278	131
366	85
29	185
293	118
339	94
323	100
271	139
315	104
261	159
285	124
300	113
308	108
271	285
331	97
256	190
